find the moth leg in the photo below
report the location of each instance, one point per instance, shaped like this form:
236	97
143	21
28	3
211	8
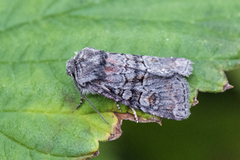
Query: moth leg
135	114
81	100
118	106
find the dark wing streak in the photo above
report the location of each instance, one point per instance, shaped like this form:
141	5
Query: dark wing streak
107	93
103	91
152	72
137	69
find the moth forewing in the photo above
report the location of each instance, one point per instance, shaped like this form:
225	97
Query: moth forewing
151	84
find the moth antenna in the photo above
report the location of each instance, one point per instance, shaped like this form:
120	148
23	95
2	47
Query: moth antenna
94	108
82	95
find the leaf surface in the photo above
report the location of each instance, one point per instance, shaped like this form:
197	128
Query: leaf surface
37	102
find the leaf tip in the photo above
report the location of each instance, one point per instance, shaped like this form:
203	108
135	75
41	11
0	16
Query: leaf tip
195	102
227	86
95	154
117	131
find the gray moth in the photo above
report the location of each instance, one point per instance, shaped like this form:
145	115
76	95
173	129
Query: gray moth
153	85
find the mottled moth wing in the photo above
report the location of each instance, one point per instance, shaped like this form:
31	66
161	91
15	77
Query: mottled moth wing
156	65
151	84
150	87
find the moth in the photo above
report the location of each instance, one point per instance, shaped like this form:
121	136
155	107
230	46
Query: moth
153	85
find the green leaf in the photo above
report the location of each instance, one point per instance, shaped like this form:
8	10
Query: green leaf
37	103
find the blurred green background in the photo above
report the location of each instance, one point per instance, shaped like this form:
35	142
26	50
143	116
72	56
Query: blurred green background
212	132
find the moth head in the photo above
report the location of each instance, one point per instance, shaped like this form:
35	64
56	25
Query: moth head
70	67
